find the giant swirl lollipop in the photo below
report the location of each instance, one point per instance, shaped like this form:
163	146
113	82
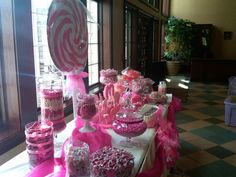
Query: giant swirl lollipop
67	35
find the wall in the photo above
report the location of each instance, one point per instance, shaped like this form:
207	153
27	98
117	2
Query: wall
220	13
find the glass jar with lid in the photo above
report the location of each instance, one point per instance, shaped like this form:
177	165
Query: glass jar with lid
51	99
77	158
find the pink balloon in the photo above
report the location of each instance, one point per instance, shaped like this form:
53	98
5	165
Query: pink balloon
68	34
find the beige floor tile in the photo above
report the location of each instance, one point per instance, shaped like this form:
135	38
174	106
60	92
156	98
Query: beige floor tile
185	163
224	95
203	143
194	94
230	146
203	157
196	105
187	136
220	117
221	106
196	100
196	140
195	114
231	128
231	160
194	125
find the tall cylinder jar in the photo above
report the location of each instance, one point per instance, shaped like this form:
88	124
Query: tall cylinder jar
51	100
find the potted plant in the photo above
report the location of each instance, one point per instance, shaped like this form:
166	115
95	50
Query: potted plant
178	38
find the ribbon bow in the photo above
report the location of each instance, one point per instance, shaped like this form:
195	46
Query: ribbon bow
75	83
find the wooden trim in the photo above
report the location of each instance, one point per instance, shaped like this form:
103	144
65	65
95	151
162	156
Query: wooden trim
9	65
24	54
107	35
19	70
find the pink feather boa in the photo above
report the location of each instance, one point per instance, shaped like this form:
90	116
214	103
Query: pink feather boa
166	142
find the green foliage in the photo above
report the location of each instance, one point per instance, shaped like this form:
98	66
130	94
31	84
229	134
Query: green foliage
178	37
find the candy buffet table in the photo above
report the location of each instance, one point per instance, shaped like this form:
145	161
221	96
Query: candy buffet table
18	166
157	152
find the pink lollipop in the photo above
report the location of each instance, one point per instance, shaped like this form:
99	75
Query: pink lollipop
67	34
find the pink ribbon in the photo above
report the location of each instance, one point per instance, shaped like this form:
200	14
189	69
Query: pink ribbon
75	82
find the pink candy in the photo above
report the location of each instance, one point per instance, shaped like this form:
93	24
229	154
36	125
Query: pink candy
156	97
86	106
129	124
142	85
129	129
77	160
39	140
130	74
108	76
111	162
52	107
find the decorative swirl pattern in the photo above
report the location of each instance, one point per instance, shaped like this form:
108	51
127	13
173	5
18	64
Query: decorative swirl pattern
67	35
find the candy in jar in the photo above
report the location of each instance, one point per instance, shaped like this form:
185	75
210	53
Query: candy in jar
51	97
108	76
162	87
77	159
86	106
39	141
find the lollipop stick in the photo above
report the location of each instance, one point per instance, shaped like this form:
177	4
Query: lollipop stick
75	103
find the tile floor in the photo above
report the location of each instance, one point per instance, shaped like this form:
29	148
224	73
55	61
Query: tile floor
208	146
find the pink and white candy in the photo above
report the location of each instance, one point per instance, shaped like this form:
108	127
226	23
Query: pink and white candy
110	162
67	34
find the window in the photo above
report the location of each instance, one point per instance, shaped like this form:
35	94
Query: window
93	45
24	56
141	39
17	89
43	61
144	34
128	37
165	13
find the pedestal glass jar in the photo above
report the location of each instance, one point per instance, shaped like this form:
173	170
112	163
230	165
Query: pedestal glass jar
142	86
86	110
51	98
129	125
39	141
77	159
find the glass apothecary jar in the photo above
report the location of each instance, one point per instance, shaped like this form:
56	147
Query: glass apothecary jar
129	124
39	141
77	159
51	100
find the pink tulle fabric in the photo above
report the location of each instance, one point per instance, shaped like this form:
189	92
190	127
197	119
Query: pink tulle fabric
96	140
166	142
75	82
56	167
